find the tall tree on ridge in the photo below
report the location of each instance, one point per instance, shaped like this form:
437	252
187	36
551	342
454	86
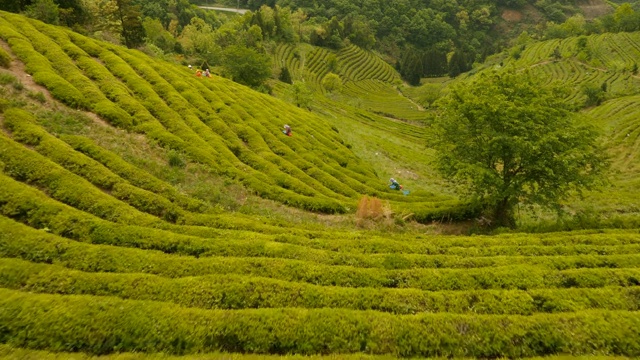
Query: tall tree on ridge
129	16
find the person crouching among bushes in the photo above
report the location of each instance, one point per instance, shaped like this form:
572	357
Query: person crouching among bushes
394	184
287	130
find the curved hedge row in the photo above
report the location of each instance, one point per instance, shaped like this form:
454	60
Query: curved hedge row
10	353
384	99
132	174
5	59
24	129
243	292
569	243
105	325
27	206
27	165
28	244
358	64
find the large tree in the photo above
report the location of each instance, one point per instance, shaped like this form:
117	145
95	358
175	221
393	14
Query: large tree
509	139
44	10
246	66
129	16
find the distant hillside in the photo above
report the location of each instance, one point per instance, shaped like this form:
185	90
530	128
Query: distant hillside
366	79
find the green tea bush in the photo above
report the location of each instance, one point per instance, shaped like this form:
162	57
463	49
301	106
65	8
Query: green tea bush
113	259
5	59
27	165
37	210
10	353
569	243
113	114
100	325
238	292
60	89
132	174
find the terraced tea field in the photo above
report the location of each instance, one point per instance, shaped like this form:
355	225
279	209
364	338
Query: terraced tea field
384	99
109	286
102	255
216	122
351	63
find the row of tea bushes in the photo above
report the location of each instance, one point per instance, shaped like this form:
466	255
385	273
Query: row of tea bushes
244	292
30	244
27	205
105	325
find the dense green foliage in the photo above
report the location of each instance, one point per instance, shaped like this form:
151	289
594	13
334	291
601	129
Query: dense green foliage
511	140
246	66
422	39
177	330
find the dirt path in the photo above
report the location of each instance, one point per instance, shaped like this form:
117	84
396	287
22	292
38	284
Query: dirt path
217	8
18	69
420	108
581	63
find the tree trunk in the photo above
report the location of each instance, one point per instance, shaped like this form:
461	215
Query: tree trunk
503	215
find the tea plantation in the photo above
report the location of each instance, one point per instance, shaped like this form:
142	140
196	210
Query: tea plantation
101	256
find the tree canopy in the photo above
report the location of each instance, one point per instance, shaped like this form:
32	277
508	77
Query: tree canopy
507	139
246	65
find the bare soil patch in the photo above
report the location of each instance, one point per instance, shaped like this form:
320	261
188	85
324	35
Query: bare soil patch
594	8
511	15
19	70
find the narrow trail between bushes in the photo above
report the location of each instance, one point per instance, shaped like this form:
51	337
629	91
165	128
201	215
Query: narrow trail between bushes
420	108
18	69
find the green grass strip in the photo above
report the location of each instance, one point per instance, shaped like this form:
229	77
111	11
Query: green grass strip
10	353
511	244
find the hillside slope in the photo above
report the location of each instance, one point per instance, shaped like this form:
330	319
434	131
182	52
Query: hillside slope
606	62
227	127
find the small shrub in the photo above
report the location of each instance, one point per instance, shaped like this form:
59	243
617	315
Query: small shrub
7	79
332	82
285	75
371	209
38	96
18	85
595	94
395	262
5	59
176	160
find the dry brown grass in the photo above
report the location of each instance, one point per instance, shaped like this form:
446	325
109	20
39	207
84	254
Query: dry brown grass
372	210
